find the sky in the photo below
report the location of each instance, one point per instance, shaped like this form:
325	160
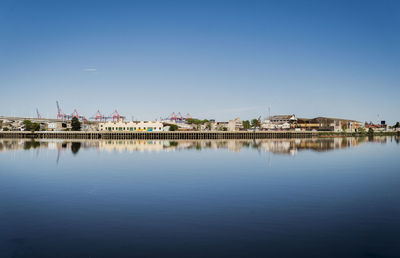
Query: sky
212	59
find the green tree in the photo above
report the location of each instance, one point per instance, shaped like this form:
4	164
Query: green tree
361	130
27	124
5	129
75	124
173	127
370	131
397	125
35	127
246	124
255	123
196	121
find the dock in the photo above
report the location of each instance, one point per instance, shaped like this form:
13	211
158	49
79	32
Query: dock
177	135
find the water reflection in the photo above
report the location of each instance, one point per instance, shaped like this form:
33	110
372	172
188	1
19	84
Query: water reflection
200	193
75	146
276	146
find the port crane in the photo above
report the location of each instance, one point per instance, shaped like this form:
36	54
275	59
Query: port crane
116	116
38	114
179	117
98	116
60	114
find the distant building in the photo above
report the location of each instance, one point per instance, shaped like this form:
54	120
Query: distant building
235	125
58	126
131	126
221	126
283	122
307	124
280	119
377	127
286	122
336	124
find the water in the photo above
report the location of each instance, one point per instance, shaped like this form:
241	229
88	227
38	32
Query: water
265	198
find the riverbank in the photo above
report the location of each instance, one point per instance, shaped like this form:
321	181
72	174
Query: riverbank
185	135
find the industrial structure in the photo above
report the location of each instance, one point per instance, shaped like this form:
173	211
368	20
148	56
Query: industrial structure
178	118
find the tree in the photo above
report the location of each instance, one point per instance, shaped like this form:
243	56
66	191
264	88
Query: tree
370	131
75	124
173	127
5	129
196	121
361	130
397	125
255	123
246	124
27	124
35	127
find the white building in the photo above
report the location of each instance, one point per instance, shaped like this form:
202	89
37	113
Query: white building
283	122
235	125
131	126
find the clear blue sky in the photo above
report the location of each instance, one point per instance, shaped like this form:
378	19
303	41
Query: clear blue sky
213	59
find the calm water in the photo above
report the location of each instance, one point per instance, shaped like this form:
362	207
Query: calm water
264	198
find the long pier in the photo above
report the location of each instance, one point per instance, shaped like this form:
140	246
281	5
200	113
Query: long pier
187	135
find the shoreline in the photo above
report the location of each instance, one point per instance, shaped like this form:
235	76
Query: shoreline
186	135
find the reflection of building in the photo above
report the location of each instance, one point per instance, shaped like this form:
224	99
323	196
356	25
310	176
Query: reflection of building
131	145
131	126
276	146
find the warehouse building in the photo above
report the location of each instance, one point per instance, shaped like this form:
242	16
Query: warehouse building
131	126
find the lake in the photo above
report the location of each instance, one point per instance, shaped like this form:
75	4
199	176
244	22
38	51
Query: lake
326	197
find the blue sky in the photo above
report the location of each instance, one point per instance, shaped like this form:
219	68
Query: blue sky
212	59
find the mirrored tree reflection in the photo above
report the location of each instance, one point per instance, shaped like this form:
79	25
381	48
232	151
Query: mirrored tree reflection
31	144
75	146
275	146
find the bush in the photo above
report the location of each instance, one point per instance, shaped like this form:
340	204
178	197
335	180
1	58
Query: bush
173	127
